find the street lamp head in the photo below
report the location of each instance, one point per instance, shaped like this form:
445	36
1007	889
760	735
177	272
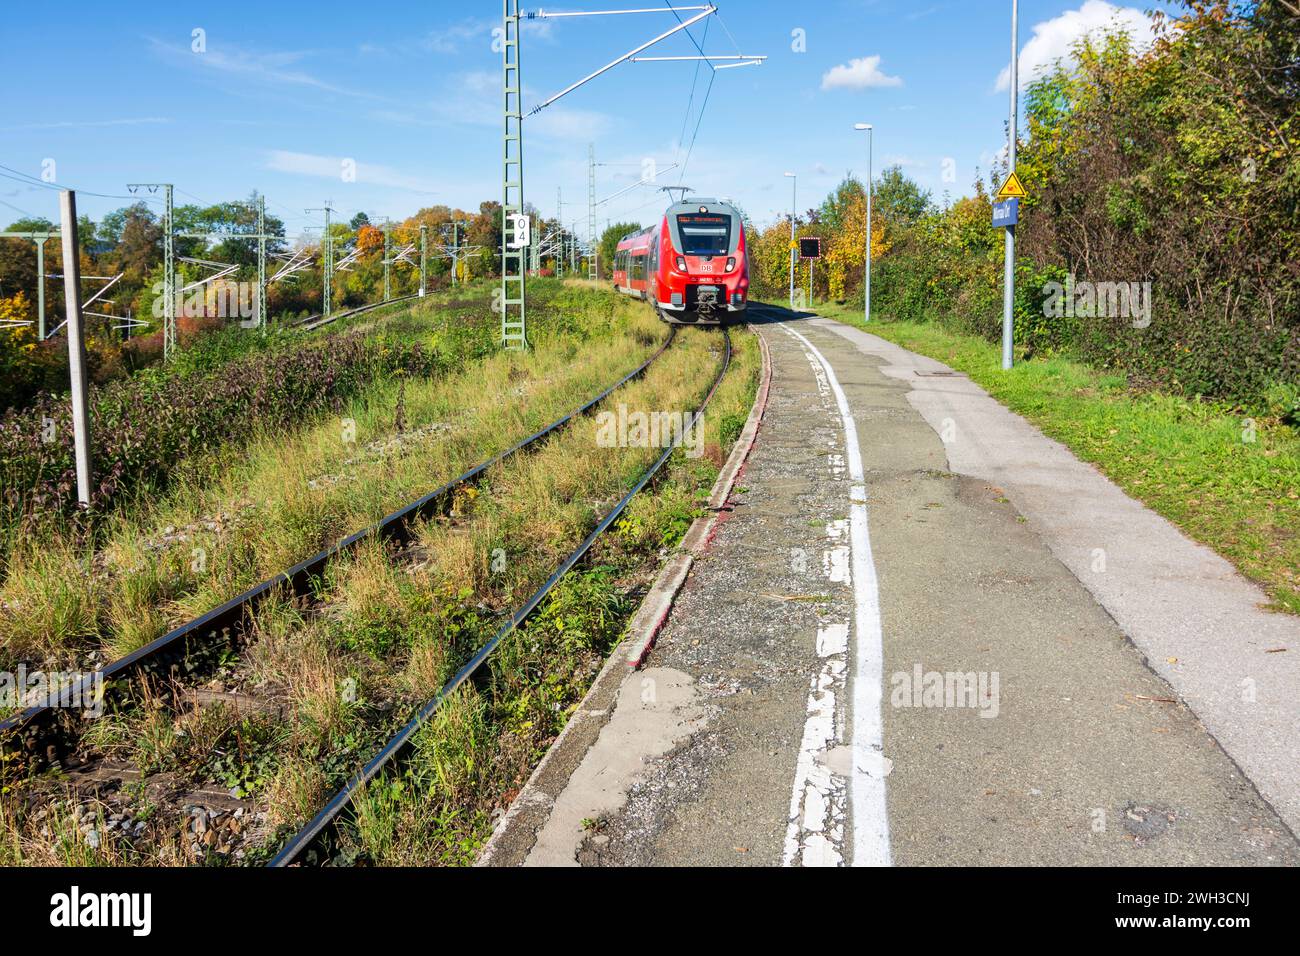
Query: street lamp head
791	175
862	126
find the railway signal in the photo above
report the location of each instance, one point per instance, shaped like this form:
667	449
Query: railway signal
810	249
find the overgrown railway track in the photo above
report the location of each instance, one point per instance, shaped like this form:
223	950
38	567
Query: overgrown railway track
299	847
49	733
313	322
44	733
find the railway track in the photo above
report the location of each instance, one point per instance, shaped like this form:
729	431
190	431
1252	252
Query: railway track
300	845
313	322
44	733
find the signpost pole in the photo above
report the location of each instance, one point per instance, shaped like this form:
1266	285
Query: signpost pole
1009	233
866	272
76	345
794	183
810	248
866	289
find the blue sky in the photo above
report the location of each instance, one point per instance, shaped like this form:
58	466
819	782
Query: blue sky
284	92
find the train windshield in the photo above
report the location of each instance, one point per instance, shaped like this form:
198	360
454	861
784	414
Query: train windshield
705	234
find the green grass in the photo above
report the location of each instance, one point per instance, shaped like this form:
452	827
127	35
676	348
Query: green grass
1191	461
284	494
389	627
486	739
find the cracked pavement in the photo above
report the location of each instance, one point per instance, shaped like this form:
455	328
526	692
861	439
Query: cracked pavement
1021	724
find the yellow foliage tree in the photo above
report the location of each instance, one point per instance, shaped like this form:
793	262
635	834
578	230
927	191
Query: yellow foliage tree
845	249
769	255
14	309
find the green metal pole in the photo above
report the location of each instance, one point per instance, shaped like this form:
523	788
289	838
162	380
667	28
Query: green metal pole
514	231
169	266
40	290
169	277
327	252
424	258
261	263
593	268
388	288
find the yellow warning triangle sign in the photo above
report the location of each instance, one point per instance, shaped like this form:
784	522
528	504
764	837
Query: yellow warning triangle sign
1012	189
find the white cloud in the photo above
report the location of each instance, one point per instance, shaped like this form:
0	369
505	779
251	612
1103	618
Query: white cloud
540	29
460	36
474	99
990	158
482	82
86	124
331	167
1053	39
555	122
858	74
262	67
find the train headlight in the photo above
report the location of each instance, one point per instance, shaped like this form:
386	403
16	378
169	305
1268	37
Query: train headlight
681	263
731	264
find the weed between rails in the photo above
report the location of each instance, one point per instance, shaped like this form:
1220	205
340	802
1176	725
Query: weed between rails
469	761
258	508
388	626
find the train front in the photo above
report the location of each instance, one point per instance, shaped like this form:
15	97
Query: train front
703	273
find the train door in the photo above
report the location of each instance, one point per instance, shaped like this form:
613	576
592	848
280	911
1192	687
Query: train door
652	273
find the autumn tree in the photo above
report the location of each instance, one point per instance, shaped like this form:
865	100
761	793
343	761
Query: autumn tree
369	239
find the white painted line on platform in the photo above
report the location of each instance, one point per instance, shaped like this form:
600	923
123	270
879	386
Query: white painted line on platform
867	779
815	832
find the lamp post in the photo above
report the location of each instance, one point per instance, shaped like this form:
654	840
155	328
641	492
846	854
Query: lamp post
1009	233
867	276
794	184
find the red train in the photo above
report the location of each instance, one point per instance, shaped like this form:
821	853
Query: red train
691	265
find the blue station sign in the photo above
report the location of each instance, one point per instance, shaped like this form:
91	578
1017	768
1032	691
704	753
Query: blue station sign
1006	213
